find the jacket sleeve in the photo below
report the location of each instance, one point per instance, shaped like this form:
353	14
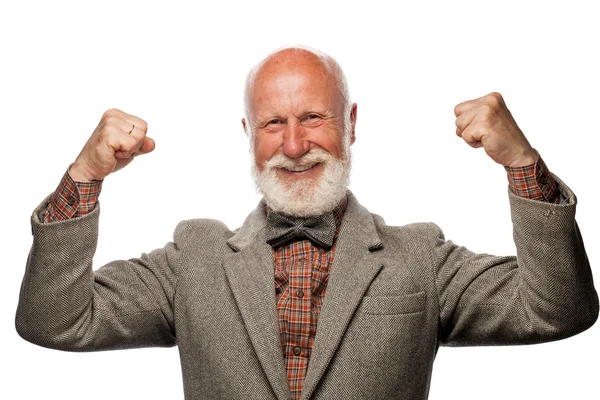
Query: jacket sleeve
65	305
545	293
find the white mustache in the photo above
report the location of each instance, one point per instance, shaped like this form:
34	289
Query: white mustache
305	162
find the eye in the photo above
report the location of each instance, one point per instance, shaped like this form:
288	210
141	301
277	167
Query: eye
274	121
312	120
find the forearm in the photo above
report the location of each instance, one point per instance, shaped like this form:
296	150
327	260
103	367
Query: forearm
555	275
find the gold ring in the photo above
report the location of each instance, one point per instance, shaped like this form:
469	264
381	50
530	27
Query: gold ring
132	128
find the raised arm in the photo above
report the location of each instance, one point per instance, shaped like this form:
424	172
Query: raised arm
63	303
544	293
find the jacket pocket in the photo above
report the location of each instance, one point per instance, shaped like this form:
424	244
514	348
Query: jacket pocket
390	305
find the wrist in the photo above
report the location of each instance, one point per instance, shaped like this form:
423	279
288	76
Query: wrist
524	159
78	173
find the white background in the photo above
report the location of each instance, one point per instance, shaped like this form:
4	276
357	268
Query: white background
181	67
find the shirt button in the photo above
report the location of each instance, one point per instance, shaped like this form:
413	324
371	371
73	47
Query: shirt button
299	293
71	200
302	260
297	350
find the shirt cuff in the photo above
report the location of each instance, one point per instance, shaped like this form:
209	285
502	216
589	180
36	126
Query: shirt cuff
72	199
533	182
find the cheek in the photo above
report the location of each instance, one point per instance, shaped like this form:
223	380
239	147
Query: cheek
265	148
332	142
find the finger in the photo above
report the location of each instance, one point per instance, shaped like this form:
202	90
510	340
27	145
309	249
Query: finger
472	137
492	99
127	120
114	121
124	146
464	120
464	106
139	135
138	122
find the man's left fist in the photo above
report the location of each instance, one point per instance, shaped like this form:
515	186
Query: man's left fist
486	122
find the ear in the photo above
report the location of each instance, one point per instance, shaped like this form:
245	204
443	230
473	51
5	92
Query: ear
353	113
244	125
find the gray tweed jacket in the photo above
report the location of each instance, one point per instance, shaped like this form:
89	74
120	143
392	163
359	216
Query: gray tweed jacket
395	294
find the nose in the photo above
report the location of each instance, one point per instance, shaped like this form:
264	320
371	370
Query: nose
295	144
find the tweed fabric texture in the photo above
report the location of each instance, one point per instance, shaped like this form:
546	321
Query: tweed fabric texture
395	294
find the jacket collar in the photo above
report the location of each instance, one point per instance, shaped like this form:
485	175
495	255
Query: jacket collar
356	217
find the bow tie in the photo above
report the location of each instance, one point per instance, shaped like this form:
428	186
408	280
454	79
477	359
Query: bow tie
282	229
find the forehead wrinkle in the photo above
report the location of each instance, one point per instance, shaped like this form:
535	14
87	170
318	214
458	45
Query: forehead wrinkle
298	85
293	93
307	59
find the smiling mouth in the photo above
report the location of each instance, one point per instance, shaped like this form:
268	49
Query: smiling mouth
299	168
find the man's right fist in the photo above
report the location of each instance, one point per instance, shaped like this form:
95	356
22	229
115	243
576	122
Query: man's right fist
116	141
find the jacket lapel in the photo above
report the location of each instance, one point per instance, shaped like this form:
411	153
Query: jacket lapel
250	274
351	274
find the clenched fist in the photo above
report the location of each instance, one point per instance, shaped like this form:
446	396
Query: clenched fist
486	122
117	140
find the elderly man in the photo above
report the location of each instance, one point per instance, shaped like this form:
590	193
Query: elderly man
313	297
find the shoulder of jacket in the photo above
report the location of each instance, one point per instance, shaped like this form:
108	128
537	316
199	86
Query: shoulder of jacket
205	227
425	229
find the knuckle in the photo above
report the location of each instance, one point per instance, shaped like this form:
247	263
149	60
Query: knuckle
131	142
124	147
113	112
487	110
143	125
108	130
111	120
495	99
111	140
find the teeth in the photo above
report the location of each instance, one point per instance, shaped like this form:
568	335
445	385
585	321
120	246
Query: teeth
299	168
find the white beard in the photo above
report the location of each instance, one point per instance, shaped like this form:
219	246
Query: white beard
304	197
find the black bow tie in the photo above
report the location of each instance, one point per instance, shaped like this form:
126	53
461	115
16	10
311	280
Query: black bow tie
282	229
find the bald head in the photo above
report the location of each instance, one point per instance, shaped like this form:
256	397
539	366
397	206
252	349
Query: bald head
291	60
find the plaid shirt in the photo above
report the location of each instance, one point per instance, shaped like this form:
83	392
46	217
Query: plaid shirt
72	199
301	275
301	269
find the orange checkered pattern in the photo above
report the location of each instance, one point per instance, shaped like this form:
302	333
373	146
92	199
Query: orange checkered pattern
301	274
72	199
533	182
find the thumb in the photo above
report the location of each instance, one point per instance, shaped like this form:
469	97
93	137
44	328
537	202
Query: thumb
148	146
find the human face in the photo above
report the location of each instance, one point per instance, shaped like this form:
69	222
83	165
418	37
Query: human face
296	108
